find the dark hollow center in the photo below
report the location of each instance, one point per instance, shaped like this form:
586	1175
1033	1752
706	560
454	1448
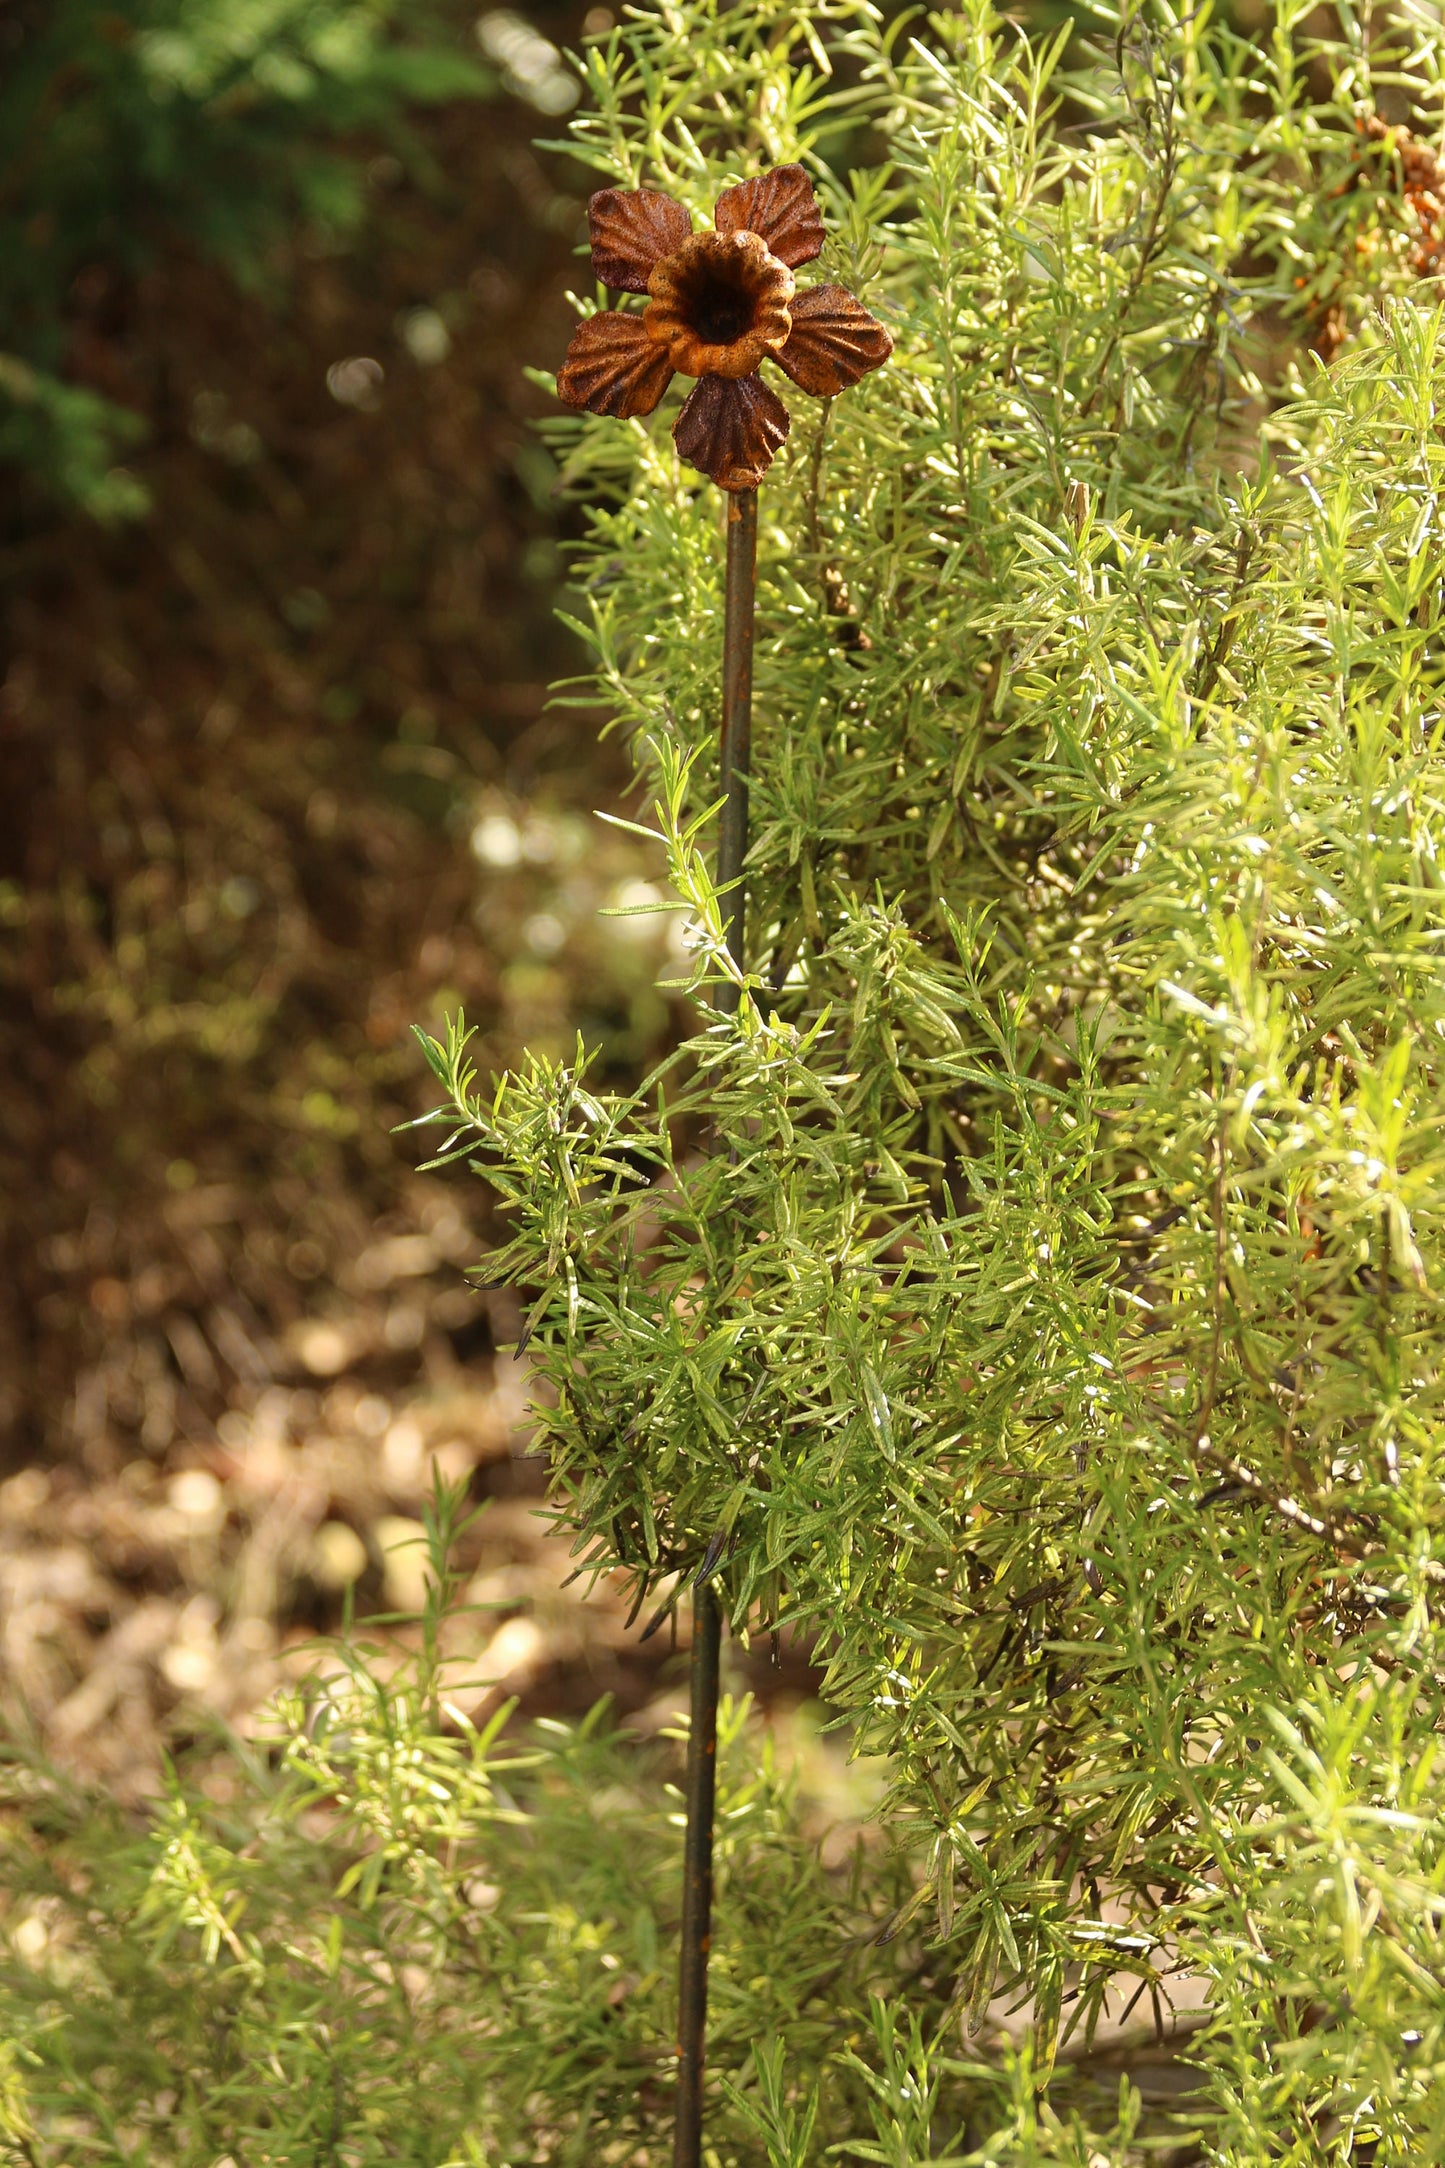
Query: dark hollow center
720	309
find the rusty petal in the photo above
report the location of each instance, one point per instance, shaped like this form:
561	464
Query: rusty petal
833	342
632	229
781	208
613	367
731	430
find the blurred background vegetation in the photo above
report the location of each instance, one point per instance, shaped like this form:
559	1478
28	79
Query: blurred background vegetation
279	560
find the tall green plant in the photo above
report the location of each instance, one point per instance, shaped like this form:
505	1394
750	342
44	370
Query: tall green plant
1034	1291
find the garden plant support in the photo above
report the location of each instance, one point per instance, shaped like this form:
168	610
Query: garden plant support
737	722
719	304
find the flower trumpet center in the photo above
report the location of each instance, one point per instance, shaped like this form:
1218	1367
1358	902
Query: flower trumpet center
719	303
721	311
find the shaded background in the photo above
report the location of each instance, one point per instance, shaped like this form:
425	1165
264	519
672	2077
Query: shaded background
279	557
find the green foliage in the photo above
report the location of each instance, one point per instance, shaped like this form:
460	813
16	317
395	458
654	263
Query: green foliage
127	124
382	1935
1034	1291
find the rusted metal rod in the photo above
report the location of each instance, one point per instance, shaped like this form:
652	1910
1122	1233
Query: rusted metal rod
742	561
737	725
697	1878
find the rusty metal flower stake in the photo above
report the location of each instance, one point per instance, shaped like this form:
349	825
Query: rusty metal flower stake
719	305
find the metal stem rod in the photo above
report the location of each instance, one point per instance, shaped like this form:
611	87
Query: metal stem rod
697	1878
742	562
737	726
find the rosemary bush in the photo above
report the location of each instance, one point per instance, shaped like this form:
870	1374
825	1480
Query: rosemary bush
1032	1292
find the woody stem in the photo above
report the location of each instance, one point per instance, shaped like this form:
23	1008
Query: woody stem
706	1611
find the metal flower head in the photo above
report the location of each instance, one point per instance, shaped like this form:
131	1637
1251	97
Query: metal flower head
719	304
